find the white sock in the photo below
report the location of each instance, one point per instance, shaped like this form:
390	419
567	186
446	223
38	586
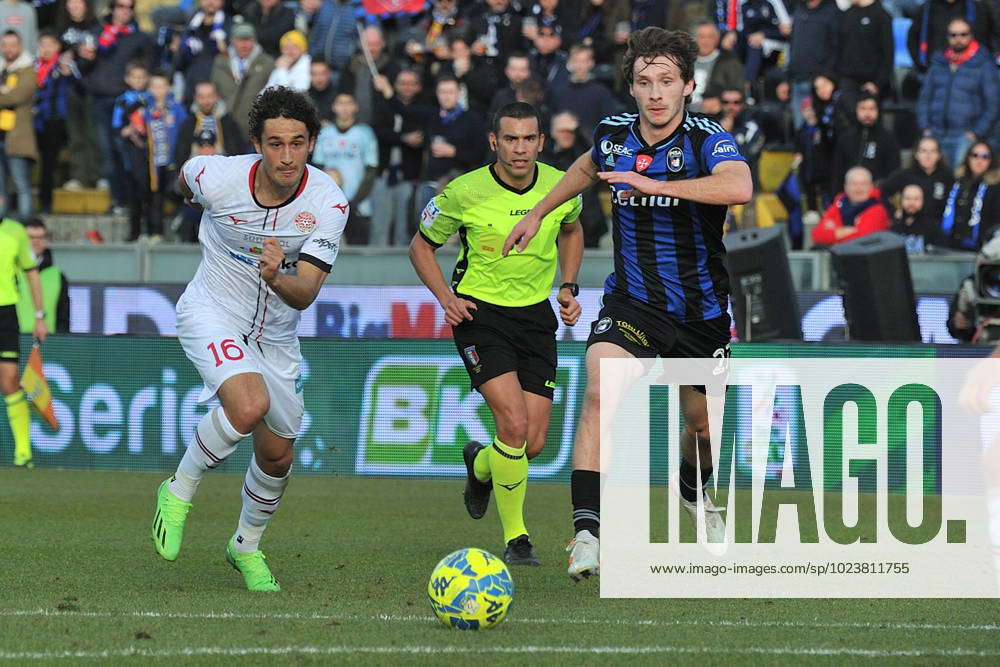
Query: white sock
261	494
214	440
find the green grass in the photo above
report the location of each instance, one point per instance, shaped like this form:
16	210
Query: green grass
353	557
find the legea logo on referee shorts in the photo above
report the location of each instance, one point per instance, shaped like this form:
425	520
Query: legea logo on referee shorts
418	412
858	477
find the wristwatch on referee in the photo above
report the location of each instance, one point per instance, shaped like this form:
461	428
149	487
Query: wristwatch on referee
573	288
40	314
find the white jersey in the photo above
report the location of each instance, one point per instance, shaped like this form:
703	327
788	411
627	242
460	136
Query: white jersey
233	228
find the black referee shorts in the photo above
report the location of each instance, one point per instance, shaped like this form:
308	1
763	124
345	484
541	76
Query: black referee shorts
645	332
10	334
500	339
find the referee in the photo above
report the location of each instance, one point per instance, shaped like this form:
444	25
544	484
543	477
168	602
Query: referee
15	257
504	327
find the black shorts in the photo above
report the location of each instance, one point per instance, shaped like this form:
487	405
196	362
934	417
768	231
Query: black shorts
10	334
500	339
646	332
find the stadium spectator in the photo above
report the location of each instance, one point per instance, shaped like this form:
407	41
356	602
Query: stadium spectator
76	25
400	117
958	101
208	130
855	212
764	26
531	92
588	100
20	17
814	47
293	68
350	149
134	96
972	211
18	84
867	50
103	66
17	258
272	20
305	15
55	287
203	39
824	119
321	91
241	73
333	37
713	65
563	146
150	143
476	78
604	26
357	78
57	77
426	42
737	120
929	32
454	141
517	69
912	221
548	60
929	171
553	13
865	143
772	110
495	31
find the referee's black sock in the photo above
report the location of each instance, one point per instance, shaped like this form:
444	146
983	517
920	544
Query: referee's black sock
585	487
688	480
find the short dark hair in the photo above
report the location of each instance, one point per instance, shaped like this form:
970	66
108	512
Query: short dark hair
15	33
651	42
282	102
35	221
446	78
136	64
864	97
516	110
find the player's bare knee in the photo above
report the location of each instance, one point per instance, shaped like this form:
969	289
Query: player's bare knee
276	464
535	446
248	413
512	428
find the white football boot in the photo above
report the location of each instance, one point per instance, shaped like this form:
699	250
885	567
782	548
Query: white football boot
584	555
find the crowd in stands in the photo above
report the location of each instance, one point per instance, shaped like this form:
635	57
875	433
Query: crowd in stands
131	97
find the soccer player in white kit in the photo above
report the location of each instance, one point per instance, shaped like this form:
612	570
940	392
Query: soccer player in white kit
270	233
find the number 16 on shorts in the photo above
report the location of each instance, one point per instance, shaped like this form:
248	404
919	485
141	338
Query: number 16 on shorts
230	351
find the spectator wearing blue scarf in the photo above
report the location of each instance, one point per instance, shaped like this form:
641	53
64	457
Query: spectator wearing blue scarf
972	210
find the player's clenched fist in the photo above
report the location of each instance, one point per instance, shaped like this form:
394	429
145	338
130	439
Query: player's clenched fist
271	259
457	310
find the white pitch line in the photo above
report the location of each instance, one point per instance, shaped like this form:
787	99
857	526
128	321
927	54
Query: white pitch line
473	650
418	618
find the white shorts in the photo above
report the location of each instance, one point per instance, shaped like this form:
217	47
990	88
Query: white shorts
219	352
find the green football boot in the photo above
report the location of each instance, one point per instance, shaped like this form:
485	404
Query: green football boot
168	522
255	571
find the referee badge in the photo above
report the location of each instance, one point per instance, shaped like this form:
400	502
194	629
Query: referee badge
675	159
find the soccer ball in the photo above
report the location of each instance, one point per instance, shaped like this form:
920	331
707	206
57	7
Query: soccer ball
470	589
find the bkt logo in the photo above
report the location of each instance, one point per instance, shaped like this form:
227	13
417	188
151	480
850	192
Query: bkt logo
417	413
610	147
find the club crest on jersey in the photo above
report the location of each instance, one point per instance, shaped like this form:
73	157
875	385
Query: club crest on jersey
602	325
610	147
305	222
725	147
675	159
642	162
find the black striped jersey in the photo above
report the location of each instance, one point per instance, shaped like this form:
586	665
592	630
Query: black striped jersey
668	251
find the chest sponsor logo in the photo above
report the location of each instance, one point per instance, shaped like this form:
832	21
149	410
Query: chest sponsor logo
305	222
675	159
642	200
724	147
611	148
642	162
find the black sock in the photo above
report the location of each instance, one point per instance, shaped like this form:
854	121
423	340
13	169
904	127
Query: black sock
585	486
689	487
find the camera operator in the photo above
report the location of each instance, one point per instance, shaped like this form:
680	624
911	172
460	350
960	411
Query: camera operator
974	315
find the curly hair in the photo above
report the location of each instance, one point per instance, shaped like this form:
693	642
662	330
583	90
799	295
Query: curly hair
282	102
651	42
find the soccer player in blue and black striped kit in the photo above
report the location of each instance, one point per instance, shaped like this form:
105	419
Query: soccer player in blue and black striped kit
672	175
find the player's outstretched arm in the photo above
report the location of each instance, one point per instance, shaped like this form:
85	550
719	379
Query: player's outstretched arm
186	190
580	176
298	290
456	310
728	184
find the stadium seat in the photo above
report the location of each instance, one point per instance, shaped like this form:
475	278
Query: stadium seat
772	168
80	201
769	210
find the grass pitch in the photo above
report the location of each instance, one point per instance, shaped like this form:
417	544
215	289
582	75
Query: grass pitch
82	582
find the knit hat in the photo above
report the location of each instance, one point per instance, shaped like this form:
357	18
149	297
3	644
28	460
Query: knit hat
293	37
244	31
